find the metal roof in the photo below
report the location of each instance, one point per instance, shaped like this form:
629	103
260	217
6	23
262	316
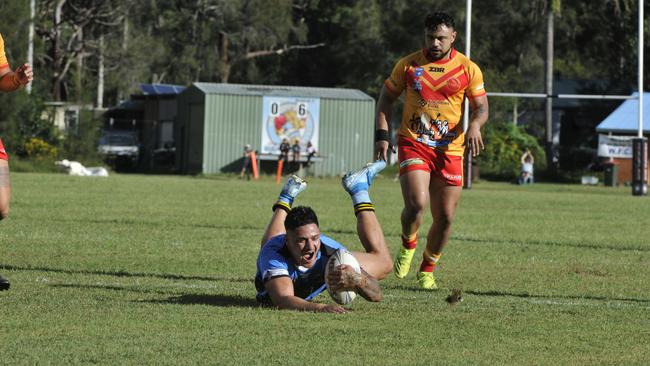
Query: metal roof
161	89
625	118
279	90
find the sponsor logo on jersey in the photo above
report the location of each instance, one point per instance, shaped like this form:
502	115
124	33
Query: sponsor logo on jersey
453	84
436	69
432	103
417	73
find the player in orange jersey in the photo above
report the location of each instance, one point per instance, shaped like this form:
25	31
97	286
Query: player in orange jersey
431	139
9	81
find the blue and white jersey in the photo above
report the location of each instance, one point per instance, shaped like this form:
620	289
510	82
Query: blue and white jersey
275	260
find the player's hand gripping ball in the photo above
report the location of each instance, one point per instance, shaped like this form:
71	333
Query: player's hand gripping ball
340	257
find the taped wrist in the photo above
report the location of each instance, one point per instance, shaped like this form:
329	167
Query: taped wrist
282	205
382	135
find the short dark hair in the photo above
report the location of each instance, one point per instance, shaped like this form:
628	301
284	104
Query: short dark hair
300	216
433	20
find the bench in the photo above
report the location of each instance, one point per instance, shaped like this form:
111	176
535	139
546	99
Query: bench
299	167
303	158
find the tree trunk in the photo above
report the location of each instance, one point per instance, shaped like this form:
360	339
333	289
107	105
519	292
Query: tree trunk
125	46
224	62
57	54
80	67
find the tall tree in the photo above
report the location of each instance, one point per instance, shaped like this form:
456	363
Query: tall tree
67	26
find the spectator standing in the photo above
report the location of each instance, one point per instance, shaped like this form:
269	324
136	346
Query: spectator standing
248	152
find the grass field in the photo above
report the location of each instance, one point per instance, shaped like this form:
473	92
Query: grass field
158	270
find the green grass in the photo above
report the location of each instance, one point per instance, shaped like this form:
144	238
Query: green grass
158	270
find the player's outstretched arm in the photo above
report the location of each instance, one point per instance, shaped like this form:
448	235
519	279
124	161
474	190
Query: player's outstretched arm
281	291
345	278
382	124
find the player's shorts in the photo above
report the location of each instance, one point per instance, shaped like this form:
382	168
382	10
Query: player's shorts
416	156
3	152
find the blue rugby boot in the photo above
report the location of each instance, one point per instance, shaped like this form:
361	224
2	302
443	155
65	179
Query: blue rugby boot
290	191
360	180
357	182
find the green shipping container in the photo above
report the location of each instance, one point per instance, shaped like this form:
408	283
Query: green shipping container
215	122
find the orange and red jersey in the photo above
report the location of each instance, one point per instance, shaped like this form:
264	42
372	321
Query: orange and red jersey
3	58
435	92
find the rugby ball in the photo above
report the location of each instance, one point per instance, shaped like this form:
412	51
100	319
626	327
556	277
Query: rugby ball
341	256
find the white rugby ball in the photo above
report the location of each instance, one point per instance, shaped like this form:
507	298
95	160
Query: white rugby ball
341	256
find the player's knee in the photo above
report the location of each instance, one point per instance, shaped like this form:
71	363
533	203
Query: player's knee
446	219
415	207
387	268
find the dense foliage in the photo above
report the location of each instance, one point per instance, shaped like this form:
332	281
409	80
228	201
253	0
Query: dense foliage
504	144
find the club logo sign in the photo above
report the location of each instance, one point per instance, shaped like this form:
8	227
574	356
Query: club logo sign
291	118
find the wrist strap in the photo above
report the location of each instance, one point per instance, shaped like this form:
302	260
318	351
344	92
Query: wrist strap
381	135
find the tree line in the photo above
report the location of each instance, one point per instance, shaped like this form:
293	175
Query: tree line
99	51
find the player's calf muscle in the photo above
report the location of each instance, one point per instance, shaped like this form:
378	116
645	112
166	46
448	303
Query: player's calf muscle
4	176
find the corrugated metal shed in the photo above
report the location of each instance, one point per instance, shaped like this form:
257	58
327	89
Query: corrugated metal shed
215	121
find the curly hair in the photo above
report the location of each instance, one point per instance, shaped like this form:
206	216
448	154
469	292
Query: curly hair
433	20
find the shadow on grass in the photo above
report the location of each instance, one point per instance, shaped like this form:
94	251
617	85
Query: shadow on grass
533	243
551	297
415	288
212	300
108	287
166	276
128	221
245	227
190	299
620	248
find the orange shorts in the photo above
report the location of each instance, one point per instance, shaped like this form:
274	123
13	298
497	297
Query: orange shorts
3	152
417	156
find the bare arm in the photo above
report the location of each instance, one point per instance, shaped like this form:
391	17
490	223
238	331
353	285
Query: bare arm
281	291
10	80
382	121
275	226
478	117
345	278
527	155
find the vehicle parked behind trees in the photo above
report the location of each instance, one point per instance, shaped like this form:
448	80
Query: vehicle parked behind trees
119	148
